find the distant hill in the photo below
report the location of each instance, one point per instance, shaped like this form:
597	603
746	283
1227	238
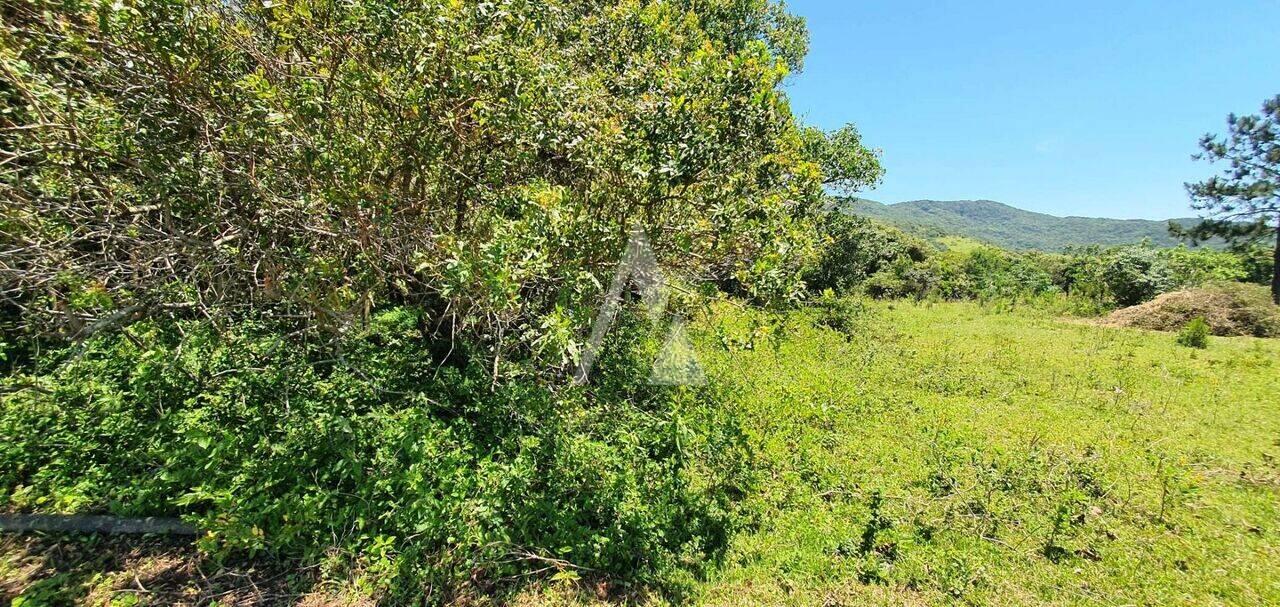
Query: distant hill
1010	227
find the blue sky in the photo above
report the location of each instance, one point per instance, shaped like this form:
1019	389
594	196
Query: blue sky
1080	108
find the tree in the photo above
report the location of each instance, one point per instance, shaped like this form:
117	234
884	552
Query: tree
855	248
1136	274
1241	203
847	165
318	159
423	200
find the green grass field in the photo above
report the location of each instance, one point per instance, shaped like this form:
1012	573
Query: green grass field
987	455
961	453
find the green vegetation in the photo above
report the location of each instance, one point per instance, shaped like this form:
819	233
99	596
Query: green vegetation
987	455
427	475
1243	201
1011	228
847	166
1195	334
898	453
316	160
856	250
862	256
1135	275
317	277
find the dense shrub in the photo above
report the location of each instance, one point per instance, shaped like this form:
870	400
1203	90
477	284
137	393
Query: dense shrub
854	249
1080	273
979	273
314	274
995	273
902	279
427	471
1195	334
317	159
1258	260
1136	274
844	315
1195	267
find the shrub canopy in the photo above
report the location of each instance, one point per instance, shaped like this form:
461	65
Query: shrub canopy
359	244
316	159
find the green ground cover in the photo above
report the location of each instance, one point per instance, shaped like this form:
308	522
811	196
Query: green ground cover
961	453
958	453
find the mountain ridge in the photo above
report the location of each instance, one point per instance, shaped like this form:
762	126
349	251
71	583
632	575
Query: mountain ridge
1010	227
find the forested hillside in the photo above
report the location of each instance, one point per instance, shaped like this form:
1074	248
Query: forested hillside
1010	227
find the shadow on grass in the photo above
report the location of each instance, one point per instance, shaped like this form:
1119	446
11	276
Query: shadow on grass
53	570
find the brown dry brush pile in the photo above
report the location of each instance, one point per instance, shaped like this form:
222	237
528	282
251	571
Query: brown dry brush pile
1229	308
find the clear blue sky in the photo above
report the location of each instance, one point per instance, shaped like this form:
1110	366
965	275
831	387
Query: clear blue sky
1073	108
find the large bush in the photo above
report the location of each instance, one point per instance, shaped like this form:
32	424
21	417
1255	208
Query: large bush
1258	260
418	469
995	273
1136	274
855	248
1194	267
315	159
313	274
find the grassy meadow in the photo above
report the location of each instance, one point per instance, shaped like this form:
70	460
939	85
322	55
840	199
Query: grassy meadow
957	452
971	454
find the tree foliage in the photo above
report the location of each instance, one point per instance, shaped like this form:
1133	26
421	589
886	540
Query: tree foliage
1134	275
1241	202
847	165
855	248
326	265
317	159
